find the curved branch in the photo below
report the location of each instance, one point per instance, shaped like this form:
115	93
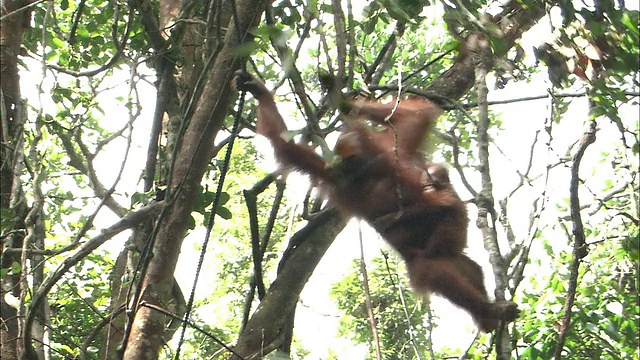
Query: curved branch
579	241
374	73
486	220
292	72
264	330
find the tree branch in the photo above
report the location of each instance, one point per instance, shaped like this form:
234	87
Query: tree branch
579	241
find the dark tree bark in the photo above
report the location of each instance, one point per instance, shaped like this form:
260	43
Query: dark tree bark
15	19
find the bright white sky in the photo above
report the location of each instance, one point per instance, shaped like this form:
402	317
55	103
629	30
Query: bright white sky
317	317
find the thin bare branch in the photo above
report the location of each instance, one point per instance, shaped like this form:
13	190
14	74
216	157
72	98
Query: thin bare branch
367	297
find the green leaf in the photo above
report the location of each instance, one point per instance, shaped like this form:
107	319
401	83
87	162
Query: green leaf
499	45
224	213
632	26
57	43
246	49
15	268
191	223
138	198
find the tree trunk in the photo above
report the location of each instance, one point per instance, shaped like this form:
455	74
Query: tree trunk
12	26
145	337
265	330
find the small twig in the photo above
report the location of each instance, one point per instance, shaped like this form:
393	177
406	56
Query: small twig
19	10
367	297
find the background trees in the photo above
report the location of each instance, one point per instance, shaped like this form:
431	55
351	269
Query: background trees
115	150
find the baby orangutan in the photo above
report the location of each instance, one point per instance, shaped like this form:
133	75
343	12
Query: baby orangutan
381	179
